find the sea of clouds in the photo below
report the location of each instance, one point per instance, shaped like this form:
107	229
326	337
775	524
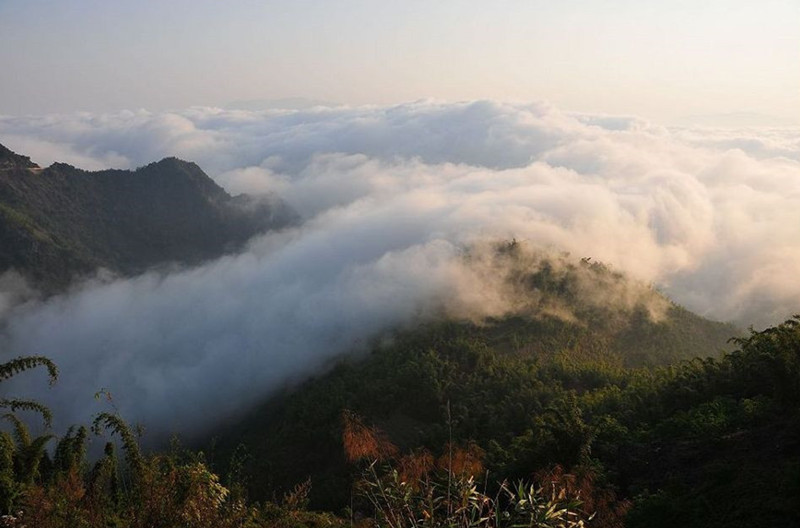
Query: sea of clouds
391	198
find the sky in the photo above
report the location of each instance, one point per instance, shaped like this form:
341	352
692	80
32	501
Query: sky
731	62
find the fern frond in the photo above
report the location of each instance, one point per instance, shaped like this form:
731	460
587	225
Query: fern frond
7	451
112	422
15	405
32	456
22	363
21	434
71	450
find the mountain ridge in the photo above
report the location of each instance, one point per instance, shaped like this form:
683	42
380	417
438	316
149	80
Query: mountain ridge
61	222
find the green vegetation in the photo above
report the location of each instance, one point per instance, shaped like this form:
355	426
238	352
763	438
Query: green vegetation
61	489
415	490
465	436
60	223
696	443
467	433
20	364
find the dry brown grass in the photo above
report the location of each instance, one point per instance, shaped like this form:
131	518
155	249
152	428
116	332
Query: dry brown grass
602	503
364	442
462	461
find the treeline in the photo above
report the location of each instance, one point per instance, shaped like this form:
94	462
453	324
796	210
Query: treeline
708	442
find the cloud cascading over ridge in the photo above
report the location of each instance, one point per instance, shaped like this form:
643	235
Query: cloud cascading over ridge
391	196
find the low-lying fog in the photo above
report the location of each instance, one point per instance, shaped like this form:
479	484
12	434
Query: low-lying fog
392	197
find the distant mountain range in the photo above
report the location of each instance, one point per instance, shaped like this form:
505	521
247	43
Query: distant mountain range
61	222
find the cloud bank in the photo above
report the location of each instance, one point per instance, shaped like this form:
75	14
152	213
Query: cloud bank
392	196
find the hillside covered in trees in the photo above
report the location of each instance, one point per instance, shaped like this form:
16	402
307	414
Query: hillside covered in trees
61	222
502	383
442	427
587	399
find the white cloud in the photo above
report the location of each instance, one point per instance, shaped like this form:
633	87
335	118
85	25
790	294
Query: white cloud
391	196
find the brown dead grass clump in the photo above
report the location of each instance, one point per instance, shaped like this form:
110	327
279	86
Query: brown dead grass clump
364	442
462	461
608	511
415	467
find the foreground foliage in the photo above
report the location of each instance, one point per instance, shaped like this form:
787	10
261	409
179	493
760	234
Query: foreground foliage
161	490
416	491
61	489
708	442
695	443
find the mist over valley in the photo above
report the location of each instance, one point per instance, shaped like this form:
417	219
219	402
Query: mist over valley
391	201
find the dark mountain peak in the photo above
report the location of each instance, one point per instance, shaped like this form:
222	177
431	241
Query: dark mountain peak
173	162
10	159
61	166
70	222
175	183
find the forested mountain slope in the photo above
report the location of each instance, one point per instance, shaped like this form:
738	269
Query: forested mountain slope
61	222
564	381
709	442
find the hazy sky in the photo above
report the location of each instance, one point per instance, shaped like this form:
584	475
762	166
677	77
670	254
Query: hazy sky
659	59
